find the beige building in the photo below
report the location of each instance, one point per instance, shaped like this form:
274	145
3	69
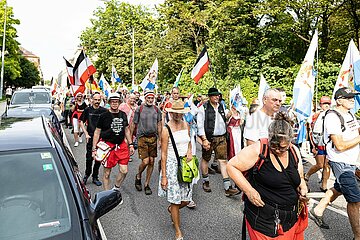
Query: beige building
32	58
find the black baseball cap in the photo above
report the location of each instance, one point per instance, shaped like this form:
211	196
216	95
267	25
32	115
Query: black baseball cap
345	92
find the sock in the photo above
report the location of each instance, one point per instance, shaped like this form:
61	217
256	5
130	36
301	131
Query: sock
227	183
205	177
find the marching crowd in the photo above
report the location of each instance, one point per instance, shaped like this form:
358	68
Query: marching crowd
253	150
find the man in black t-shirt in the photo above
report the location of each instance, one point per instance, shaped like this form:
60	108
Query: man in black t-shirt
90	116
112	128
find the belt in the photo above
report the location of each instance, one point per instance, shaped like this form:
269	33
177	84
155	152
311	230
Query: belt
282	207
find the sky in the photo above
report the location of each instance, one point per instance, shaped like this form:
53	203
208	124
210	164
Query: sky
51	28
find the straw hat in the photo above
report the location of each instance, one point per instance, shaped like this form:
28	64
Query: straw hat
178	107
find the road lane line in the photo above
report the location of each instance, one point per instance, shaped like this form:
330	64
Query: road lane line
102	233
330	208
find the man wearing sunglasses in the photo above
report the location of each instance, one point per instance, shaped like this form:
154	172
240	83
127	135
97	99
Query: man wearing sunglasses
342	148
257	123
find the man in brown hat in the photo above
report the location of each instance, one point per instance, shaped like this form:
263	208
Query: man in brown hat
147	119
212	131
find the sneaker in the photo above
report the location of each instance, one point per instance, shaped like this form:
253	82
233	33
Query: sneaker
76	144
211	171
319	220
191	204
231	192
116	188
216	168
206	186
80	140
85	179
97	182
138	185
147	190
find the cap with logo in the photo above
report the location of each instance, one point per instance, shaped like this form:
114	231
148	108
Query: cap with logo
345	93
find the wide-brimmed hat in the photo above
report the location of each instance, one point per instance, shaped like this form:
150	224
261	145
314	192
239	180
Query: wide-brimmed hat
114	96
213	92
178	107
345	93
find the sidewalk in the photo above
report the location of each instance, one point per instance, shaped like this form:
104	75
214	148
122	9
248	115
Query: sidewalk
2	107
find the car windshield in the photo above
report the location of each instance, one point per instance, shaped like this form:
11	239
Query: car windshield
33	198
31	97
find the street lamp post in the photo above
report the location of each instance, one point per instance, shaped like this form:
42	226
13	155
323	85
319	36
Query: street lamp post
2	55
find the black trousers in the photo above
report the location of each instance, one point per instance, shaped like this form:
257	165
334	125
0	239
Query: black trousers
90	160
67	116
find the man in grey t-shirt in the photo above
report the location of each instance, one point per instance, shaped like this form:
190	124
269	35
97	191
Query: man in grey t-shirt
148	122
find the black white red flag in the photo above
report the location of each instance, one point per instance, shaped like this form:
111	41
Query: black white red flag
201	66
83	69
70	71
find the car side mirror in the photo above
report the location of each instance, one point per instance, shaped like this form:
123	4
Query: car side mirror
104	202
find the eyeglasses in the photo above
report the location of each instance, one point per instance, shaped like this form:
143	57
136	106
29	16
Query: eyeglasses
279	148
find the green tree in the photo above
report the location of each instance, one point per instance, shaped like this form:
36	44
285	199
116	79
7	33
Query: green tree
29	77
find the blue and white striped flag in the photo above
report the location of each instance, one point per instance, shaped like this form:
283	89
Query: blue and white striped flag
115	76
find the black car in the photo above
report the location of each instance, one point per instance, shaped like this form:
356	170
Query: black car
42	195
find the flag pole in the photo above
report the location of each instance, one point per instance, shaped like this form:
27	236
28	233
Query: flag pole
211	69
87	69
317	78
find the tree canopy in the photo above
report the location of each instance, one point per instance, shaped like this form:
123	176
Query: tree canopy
244	38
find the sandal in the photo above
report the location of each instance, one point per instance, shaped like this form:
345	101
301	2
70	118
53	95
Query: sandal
319	220
323	189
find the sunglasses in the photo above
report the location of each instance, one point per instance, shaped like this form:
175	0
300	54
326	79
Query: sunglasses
279	148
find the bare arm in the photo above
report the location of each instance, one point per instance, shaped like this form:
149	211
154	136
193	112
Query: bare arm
244	161
302	187
82	126
249	142
341	145
96	137
159	127
128	137
164	150
189	151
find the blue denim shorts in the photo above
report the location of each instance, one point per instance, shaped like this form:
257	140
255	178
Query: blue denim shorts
346	182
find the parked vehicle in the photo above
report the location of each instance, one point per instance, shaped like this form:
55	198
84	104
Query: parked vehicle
42	195
31	97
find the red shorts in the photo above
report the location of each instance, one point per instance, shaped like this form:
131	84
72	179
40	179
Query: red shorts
120	155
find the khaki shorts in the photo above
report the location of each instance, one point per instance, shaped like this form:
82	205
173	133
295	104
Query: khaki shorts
147	147
218	145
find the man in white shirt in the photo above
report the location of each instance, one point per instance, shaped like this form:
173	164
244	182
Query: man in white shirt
257	123
341	135
211	121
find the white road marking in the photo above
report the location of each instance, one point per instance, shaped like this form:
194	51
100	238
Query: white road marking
312	201
102	233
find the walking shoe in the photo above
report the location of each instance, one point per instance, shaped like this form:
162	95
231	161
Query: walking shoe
85	179
231	192
206	186
80	140
211	171
138	185
319	220
147	190
97	182
76	144
116	188
216	168
191	204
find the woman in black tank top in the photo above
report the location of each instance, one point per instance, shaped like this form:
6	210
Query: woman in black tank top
271	176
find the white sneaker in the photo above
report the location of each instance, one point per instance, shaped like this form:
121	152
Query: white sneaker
76	144
80	140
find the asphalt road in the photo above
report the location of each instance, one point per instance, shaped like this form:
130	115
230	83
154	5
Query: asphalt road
215	217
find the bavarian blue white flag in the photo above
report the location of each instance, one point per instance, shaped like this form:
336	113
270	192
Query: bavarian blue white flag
236	98
149	82
114	75
303	90
176	83
104	85
349	75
